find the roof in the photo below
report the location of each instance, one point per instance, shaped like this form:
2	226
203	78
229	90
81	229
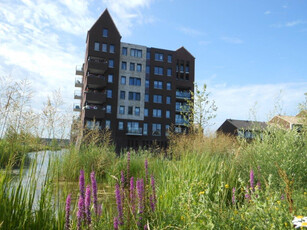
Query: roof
289	119
184	50
247	125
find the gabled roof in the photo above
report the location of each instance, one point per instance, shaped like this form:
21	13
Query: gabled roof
247	125
289	119
182	49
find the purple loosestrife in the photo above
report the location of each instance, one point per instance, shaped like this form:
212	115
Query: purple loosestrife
94	189
128	166
80	213
252	180
153	199
67	212
119	205
258	185
88	204
115	224
82	191
247	196
140	190
132	195
233	196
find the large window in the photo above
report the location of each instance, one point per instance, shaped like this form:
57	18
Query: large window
158	84
108	109
120	125
158	57
147	84
169	72
134	96
105	33
112	49
157	113
156	129
146	97
109	93
157	98
139	67
124	65
124	51
169	58
168	114
122	95
136	53
111	63
148	55
121	109
145	112
130	110
135	81
108	124
132	66
104	47
123	80
168	86
158	70
137	111
96	47
145	128
110	78
133	127
168	100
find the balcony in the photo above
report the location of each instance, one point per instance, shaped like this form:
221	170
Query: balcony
182	108
77	108
97	65
79	70
183	95
94	97
96	81
181	122
78	82
133	131
77	94
95	113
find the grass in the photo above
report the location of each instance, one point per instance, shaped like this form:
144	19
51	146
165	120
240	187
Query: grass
194	181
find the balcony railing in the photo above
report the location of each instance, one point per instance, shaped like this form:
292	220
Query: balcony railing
182	108
134	131
96	80
79	70
78	82
95	97
181	122
183	94
77	94
97	65
77	108
94	112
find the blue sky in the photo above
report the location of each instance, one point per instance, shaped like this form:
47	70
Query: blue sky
251	54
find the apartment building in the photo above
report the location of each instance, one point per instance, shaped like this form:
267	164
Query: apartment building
136	92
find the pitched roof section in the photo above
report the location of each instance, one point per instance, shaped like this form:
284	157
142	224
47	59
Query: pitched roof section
105	16
248	125
184	50
289	119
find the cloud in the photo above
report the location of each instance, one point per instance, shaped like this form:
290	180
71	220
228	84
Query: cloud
232	40
127	13
204	43
190	31
267	12
289	24
236	101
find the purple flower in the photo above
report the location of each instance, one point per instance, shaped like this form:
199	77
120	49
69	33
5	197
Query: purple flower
233	196
94	189
259	185
132	195
80	213
67	213
99	211
145	227
119	205
88	204
82	191
247	196
140	190
153	199
251	176
115	224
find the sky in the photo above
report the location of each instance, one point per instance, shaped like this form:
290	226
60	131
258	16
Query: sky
251	54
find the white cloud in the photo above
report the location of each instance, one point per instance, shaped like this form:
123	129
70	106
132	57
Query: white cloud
232	40
236	101
204	43
190	31
294	23
267	12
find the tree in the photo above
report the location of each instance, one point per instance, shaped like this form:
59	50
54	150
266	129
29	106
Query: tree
201	109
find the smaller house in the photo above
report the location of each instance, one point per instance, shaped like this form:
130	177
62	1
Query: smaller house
288	122
242	128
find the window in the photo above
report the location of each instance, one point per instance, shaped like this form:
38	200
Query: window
145	128
158	57
157	113
168	114
124	65
96	47
133	127
158	70
104	47
105	33
168	100
124	51
134	96
123	80
148	69
157	98
148	55
109	93
120	125
122	95
130	110
112	49
108	109
121	109
181	68
146	97
169	58
147	84
108	124
136	53
137	111
135	81
158	84
110	78
156	129
139	67
168	86
166	130
169	72
145	112
111	63
132	66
